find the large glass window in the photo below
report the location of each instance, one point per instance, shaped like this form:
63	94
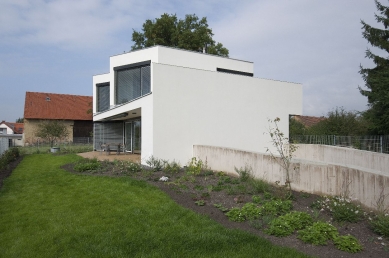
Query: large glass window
102	90
132	82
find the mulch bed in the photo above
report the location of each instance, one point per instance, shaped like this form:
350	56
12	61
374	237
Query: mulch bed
186	197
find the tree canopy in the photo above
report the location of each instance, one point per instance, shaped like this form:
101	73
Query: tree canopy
377	78
52	130
191	33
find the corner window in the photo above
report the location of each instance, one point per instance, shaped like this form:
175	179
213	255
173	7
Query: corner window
132	81
102	90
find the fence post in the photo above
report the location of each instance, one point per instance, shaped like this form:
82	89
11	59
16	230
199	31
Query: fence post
381	143
334	141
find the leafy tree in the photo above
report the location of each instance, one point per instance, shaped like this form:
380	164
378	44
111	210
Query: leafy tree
20	120
191	33
296	127
52	131
340	122
377	79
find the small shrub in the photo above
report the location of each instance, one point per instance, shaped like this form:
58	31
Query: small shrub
8	156
194	167
244	173
348	243
133	167
380	224
172	167
155	164
318	234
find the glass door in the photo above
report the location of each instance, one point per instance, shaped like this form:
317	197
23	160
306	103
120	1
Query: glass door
128	136
136	136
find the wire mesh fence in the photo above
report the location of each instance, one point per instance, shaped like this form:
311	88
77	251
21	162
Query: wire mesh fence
376	143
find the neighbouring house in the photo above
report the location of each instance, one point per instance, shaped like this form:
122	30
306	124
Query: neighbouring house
13	131
70	109
160	101
308	121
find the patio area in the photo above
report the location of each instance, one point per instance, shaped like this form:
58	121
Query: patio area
111	157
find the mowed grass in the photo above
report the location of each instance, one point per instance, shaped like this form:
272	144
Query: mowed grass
48	212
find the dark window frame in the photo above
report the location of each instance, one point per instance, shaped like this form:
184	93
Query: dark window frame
98	85
133	67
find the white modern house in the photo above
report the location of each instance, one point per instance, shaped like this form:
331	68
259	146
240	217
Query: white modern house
161	101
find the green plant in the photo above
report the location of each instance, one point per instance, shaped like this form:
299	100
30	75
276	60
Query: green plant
8	156
380	224
256	199
133	167
194	166
341	208
277	207
221	207
251	211
318	234
200	202
172	167
284	148
267	195
244	173
155	164
347	243
235	214
87	165
285	225
259	185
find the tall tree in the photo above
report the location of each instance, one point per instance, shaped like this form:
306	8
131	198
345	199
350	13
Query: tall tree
191	33
377	78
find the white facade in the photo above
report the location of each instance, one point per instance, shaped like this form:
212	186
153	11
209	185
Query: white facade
191	103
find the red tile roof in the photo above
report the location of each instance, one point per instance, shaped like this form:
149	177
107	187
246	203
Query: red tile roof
39	105
308	121
16	127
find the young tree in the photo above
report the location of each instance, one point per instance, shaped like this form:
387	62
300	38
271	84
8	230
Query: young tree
284	148
52	130
191	33
377	79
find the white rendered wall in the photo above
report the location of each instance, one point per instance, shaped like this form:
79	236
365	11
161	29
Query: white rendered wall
190	59
9	130
196	107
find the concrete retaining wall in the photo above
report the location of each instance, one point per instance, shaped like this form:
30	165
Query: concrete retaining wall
322	178
344	156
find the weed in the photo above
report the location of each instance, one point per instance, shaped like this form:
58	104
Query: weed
267	195
304	194
235	214
256	199
221	207
199	187
200	202
341	208
259	185
244	173
380	224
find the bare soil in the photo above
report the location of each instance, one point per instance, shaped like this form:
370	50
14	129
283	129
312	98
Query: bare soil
187	192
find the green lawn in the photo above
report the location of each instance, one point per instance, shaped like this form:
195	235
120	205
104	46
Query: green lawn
48	212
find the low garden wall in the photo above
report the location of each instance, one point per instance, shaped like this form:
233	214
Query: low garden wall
363	184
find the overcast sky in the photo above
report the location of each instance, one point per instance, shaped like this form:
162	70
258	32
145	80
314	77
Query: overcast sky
56	46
